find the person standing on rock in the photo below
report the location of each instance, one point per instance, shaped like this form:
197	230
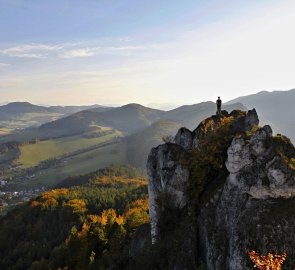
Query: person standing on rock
218	103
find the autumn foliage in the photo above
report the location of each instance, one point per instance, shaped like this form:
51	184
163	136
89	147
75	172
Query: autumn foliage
267	262
88	225
102	237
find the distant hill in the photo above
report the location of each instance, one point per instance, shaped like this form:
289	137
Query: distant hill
132	118
67	110
15	109
140	144
19	115
192	115
129	118
89	139
275	108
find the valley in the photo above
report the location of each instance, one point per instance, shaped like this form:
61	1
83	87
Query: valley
37	156
147	135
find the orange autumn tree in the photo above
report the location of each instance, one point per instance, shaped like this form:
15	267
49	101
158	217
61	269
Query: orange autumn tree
101	238
267	262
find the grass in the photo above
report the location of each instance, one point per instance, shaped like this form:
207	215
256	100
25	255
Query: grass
77	165
33	154
31	119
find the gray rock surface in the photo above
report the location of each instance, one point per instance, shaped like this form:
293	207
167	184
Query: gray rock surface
246	213
184	138
251	120
253	208
168	177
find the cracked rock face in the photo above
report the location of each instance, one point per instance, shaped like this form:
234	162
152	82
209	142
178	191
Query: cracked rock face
259	139
251	209
184	138
238	156
169	177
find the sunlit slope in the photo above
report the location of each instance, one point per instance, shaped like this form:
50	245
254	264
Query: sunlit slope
91	139
19	115
75	165
129	118
32	154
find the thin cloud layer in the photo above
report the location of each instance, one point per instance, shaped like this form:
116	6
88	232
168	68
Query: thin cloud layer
31	50
74	50
84	52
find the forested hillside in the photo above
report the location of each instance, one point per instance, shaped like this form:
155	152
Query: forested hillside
87	226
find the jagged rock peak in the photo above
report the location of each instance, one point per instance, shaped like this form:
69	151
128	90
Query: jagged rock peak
253	209
243	205
241	122
184	138
167	174
270	164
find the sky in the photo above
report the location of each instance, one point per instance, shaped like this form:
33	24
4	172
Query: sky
160	53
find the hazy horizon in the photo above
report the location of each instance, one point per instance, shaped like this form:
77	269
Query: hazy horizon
147	52
161	106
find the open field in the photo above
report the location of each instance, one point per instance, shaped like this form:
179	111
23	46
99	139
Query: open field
76	165
30	119
33	154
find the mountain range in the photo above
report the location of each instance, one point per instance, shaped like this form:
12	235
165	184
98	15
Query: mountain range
66	141
274	108
19	115
131	118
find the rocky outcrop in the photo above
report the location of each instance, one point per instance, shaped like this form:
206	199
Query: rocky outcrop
251	207
170	179
244	122
168	176
249	210
184	138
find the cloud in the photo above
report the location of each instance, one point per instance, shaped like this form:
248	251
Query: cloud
31	50
4	65
125	48
66	50
92	51
84	52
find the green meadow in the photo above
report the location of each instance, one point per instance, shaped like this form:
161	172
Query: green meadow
83	163
33	154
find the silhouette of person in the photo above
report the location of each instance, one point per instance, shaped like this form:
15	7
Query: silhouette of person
218	103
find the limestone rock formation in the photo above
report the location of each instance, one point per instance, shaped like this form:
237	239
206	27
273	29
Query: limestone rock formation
171	179
184	138
248	206
246	211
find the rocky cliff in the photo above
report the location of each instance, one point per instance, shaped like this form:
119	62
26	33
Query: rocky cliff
221	190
